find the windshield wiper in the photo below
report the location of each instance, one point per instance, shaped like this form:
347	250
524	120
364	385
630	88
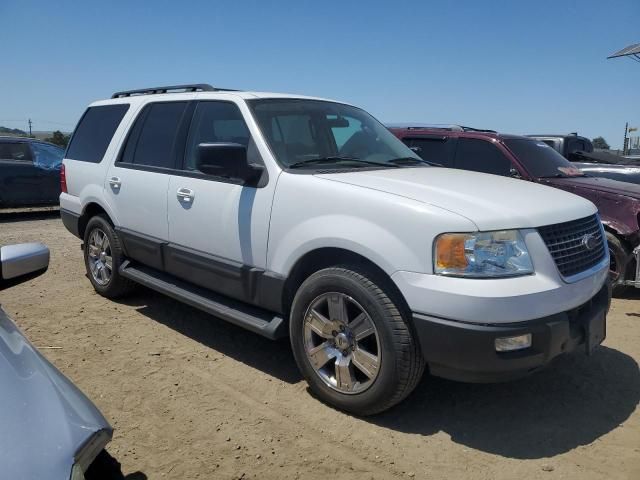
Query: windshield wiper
336	159
414	160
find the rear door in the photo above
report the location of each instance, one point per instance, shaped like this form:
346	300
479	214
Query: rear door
137	182
47	160
438	149
19	179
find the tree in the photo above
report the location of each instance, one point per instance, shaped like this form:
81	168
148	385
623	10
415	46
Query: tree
58	138
600	143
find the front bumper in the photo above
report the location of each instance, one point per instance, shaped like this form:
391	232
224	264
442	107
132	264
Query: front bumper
466	351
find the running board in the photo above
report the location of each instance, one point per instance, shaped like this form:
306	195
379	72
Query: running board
233	311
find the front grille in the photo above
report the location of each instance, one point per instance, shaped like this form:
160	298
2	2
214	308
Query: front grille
566	243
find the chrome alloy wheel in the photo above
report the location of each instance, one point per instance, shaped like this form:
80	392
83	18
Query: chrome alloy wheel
99	256
342	343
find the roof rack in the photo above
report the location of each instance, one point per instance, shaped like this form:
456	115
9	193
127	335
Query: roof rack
426	126
482	130
439	126
196	87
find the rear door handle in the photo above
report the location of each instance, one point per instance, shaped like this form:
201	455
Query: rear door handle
115	182
185	195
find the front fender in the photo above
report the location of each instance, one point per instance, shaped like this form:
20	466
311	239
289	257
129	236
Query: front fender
357	235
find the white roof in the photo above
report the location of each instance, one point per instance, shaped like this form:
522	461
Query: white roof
204	95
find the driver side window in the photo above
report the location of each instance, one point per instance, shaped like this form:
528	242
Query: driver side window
215	122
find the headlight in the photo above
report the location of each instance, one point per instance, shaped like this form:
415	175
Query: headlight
483	254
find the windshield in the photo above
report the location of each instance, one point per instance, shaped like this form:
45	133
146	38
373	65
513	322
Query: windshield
301	132
540	159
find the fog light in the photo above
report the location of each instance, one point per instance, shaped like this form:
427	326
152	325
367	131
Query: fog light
508	344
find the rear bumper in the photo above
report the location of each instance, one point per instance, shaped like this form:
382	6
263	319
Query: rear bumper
71	221
466	351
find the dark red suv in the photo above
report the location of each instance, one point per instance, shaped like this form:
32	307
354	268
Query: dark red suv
529	159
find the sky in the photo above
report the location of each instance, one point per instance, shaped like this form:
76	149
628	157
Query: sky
514	66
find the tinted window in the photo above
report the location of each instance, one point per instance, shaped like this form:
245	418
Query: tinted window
481	156
47	156
215	122
15	151
157	126
540	159
94	132
434	149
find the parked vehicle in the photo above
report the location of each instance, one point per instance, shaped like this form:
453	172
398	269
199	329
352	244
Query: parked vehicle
607	165
291	215
566	145
29	172
531	159
579	151
49	428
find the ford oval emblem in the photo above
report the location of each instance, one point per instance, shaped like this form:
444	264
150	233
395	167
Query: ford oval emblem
589	241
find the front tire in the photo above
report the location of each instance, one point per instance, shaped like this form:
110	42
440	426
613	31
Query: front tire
352	342
103	256
619	263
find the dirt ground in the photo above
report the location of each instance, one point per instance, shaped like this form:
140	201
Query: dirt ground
191	396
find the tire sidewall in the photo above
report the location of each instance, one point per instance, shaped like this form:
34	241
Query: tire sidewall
116	256
337	280
621	257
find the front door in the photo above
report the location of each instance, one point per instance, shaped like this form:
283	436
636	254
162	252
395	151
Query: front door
218	228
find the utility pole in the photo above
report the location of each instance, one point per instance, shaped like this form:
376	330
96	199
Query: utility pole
32	135
624	143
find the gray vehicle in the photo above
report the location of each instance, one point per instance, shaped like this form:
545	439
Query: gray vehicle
595	163
48	428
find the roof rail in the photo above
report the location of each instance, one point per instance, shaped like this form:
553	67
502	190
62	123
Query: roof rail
196	87
481	130
426	126
439	126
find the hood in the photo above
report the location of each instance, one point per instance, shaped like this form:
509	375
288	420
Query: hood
598	183
491	202
45	419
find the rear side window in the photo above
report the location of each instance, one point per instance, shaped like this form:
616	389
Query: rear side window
481	156
47	156
153	137
15	151
434	149
95	131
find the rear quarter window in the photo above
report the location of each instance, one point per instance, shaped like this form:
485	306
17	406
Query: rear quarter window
94	132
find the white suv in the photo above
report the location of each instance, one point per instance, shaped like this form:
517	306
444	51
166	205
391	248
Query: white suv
290	215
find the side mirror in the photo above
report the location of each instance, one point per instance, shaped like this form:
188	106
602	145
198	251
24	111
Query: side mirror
513	173
22	262
228	160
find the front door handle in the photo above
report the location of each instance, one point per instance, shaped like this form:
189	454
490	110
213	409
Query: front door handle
115	182
185	195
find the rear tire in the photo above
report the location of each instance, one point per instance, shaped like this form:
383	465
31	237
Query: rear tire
352	342
103	256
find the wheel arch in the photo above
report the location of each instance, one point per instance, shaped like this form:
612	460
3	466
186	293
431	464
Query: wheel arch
326	257
91	210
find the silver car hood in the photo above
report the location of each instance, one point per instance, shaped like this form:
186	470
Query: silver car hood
45	420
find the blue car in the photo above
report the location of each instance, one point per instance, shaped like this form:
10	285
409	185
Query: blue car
29	172
48	428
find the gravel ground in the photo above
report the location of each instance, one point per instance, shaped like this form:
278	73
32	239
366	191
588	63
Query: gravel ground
193	397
